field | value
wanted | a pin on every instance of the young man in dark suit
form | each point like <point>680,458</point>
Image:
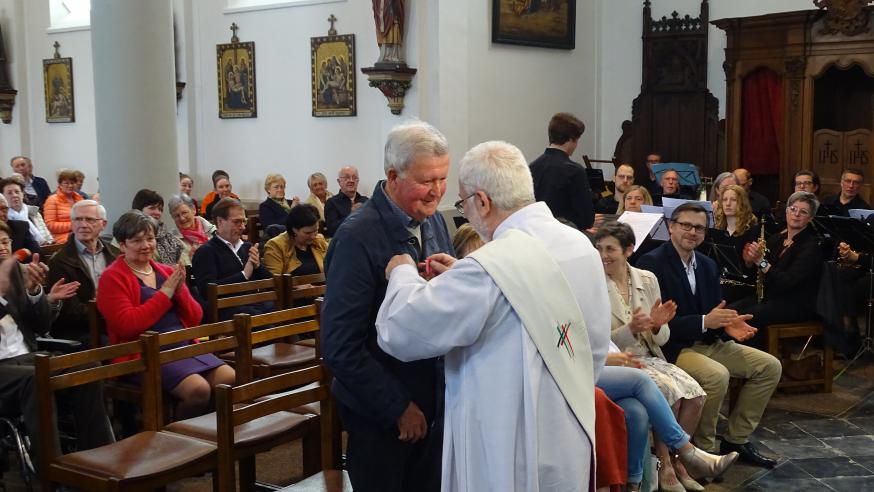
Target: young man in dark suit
<point>703,334</point>
<point>227,259</point>
<point>561,182</point>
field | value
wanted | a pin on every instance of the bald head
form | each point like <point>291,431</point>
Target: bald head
<point>743,178</point>
<point>347,178</point>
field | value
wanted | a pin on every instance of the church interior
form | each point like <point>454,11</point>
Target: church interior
<point>133,94</point>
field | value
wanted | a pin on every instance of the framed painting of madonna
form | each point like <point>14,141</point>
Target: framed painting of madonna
<point>236,80</point>
<point>543,23</point>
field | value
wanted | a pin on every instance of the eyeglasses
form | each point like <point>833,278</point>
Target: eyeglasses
<point>686,226</point>
<point>349,178</point>
<point>798,211</point>
<point>238,222</point>
<point>459,205</point>
<point>804,183</point>
<point>90,220</point>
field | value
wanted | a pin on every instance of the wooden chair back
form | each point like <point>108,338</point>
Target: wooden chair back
<point>55,373</point>
<point>613,160</point>
<point>96,324</point>
<point>304,287</point>
<point>217,337</point>
<point>49,250</point>
<point>253,227</point>
<point>243,293</point>
<point>234,407</point>
<point>285,323</point>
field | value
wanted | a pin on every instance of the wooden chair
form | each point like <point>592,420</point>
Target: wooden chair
<point>49,250</point>
<point>244,404</point>
<point>254,436</point>
<point>145,461</point>
<point>613,160</point>
<point>243,293</point>
<point>809,329</point>
<point>296,294</point>
<point>253,227</point>
<point>269,356</point>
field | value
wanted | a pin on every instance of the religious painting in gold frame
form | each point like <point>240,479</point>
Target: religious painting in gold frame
<point>333,75</point>
<point>58,86</point>
<point>236,80</point>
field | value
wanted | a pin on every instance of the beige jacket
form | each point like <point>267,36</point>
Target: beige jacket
<point>645,291</point>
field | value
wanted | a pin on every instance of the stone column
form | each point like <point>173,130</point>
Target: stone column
<point>135,100</point>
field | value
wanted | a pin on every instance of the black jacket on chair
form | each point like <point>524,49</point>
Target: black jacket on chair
<point>564,186</point>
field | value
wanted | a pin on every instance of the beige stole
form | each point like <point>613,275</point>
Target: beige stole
<point>535,286</point>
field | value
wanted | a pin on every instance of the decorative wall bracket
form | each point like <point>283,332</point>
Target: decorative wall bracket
<point>847,17</point>
<point>392,82</point>
<point>7,101</point>
<point>180,87</point>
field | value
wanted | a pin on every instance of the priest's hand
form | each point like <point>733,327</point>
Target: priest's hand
<point>440,262</point>
<point>396,261</point>
<point>412,426</point>
<point>739,329</point>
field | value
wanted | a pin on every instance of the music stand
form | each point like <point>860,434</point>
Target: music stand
<point>719,246</point>
<point>860,237</point>
<point>688,173</point>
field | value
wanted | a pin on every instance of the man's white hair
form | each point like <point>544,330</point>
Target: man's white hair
<point>500,170</point>
<point>412,139</point>
<point>101,210</point>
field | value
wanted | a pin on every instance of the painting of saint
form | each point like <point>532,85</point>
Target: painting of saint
<point>236,80</point>
<point>58,80</point>
<point>544,23</point>
<point>333,65</point>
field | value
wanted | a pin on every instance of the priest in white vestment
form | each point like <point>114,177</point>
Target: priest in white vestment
<point>524,325</point>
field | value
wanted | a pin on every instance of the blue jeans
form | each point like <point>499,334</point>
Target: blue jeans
<point>643,403</point>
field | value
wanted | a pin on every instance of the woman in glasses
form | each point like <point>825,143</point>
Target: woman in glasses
<point>790,269</point>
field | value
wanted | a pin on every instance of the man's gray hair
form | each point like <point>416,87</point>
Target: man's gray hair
<point>26,159</point>
<point>804,196</point>
<point>177,200</point>
<point>500,170</point>
<point>101,210</point>
<point>412,139</point>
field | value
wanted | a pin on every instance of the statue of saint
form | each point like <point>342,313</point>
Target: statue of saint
<point>389,18</point>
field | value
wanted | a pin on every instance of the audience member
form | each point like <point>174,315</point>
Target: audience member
<point>19,230</point>
<point>227,259</point>
<point>348,200</point>
<point>634,198</point>
<point>221,183</point>
<point>18,210</point>
<point>466,241</point>
<point>136,294</point>
<point>719,184</point>
<point>559,181</point>
<point>734,215</point>
<point>80,180</point>
<point>487,316</point>
<point>394,441</point>
<point>27,314</point>
<point>791,268</point>
<point>56,208</point>
<point>186,185</point>
<point>36,189</point>
<point>623,180</point>
<point>168,247</point>
<point>806,180</point>
<point>191,229</point>
<point>300,250</point>
<point>652,184</point>
<point>759,203</point>
<point>639,329</point>
<point>274,209</point>
<point>82,260</point>
<point>703,333</point>
<point>319,194</point>
<point>848,198</point>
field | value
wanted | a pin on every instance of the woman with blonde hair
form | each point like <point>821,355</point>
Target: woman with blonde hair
<point>734,214</point>
<point>274,210</point>
<point>633,199</point>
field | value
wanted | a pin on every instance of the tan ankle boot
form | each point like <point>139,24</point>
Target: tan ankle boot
<point>700,464</point>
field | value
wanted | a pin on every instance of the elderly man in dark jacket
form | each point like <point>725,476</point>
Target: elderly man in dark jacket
<point>392,410</point>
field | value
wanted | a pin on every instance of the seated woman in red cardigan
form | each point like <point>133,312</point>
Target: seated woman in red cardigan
<point>135,294</point>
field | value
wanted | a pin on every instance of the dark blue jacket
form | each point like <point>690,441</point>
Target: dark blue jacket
<point>564,186</point>
<point>337,208</point>
<point>42,190</point>
<point>368,381</point>
<point>270,213</point>
<point>215,263</point>
<point>667,266</point>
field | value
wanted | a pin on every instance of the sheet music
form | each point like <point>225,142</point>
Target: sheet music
<point>642,224</point>
<point>860,213</point>
<point>662,233</point>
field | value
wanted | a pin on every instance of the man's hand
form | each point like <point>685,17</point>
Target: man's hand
<point>62,290</point>
<point>640,321</point>
<point>356,206</point>
<point>662,313</point>
<point>719,317</point>
<point>624,359</point>
<point>412,426</point>
<point>35,274</point>
<point>739,329</point>
<point>6,274</point>
<point>396,261</point>
<point>254,256</point>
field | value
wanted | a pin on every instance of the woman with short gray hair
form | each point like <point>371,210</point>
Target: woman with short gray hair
<point>319,194</point>
<point>191,229</point>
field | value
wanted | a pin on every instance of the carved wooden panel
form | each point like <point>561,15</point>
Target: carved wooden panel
<point>827,154</point>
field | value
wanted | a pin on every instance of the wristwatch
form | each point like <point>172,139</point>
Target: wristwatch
<point>763,264</point>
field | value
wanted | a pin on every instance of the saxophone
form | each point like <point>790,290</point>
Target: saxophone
<point>760,275</point>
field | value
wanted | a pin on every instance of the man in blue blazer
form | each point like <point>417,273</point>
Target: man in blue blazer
<point>36,189</point>
<point>703,335</point>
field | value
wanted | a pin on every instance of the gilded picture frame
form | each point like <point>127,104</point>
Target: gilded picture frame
<point>543,23</point>
<point>332,61</point>
<point>237,97</point>
<point>58,87</point>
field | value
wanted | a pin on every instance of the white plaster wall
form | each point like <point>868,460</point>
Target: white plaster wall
<point>13,39</point>
<point>622,52</point>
